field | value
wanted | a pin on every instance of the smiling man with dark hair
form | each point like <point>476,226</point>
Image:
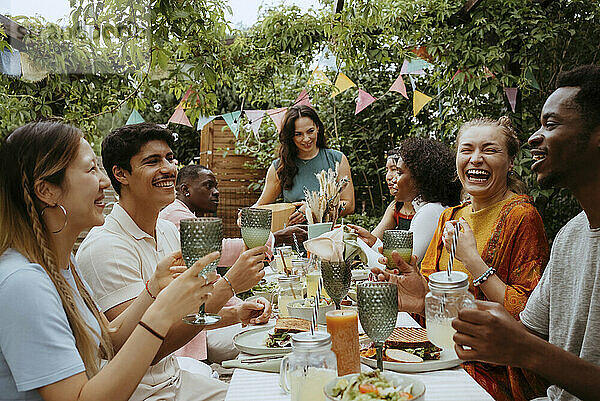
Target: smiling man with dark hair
<point>558,336</point>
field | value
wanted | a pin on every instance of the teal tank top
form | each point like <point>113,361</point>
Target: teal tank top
<point>324,160</point>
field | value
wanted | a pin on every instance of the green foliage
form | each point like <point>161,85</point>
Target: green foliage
<point>143,53</point>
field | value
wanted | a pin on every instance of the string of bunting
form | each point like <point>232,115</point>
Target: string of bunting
<point>328,61</point>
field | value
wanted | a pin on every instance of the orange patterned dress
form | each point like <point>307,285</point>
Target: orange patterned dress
<point>510,237</point>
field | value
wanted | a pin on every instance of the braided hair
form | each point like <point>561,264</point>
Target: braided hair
<point>43,151</point>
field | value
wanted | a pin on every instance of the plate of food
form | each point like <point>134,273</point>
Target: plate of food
<point>375,385</point>
<point>271,339</point>
<point>408,350</point>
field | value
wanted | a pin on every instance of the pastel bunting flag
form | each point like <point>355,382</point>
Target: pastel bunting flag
<point>342,82</point>
<point>419,101</point>
<point>134,118</point>
<point>303,99</point>
<point>277,117</point>
<point>511,94</point>
<point>233,121</point>
<point>179,117</point>
<point>531,78</point>
<point>398,86</point>
<point>363,100</point>
<point>412,83</point>
<point>318,77</point>
<point>414,67</point>
<point>255,118</point>
<point>203,120</point>
<point>328,60</point>
<point>185,102</point>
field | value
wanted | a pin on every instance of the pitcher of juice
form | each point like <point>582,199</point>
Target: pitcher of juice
<point>310,366</point>
<point>447,295</point>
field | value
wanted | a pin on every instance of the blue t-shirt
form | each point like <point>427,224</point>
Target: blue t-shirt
<point>37,346</point>
<point>324,160</point>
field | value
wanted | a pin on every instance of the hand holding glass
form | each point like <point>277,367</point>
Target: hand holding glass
<point>199,237</point>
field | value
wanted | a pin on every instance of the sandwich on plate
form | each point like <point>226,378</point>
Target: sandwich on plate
<point>284,328</point>
<point>405,344</point>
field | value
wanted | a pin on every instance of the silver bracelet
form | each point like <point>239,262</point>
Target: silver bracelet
<point>481,279</point>
<point>230,286</point>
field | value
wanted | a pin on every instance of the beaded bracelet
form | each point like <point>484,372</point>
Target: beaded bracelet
<point>230,286</point>
<point>481,279</point>
<point>148,290</point>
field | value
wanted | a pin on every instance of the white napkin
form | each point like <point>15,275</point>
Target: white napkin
<point>372,255</point>
<point>328,246</point>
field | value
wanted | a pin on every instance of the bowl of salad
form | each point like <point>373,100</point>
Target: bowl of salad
<point>303,308</point>
<point>375,385</point>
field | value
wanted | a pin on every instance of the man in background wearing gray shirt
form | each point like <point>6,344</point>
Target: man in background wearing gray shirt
<point>558,336</point>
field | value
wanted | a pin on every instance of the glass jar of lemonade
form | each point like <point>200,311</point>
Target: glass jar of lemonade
<point>290,289</point>
<point>313,274</point>
<point>288,255</point>
<point>447,295</point>
<point>310,366</point>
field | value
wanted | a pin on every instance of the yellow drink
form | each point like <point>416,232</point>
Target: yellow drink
<point>312,282</point>
<point>405,254</point>
<point>309,386</point>
<point>279,262</point>
<point>283,301</point>
<point>440,332</point>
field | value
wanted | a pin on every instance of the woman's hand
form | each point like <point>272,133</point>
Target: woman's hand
<point>298,216</point>
<point>412,286</point>
<point>257,312</point>
<point>166,271</point>
<point>466,246</point>
<point>363,234</point>
<point>248,269</point>
<point>186,293</point>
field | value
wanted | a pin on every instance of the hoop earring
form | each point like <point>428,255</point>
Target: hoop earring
<point>64,212</point>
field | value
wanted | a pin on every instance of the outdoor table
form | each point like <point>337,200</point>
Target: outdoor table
<point>444,385</point>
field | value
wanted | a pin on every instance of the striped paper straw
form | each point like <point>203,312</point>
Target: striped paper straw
<point>315,315</point>
<point>453,250</point>
<point>296,244</point>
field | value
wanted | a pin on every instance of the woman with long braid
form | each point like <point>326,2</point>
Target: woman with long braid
<point>52,336</point>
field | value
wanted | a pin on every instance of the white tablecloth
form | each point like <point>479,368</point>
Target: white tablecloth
<point>442,385</point>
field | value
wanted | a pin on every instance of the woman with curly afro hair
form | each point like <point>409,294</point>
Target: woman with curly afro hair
<point>425,176</point>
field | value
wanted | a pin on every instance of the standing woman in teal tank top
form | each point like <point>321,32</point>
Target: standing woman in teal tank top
<point>303,152</point>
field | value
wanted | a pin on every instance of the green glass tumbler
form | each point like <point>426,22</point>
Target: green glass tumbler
<point>256,226</point>
<point>400,241</point>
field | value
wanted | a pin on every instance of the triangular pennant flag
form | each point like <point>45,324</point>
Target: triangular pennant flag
<point>184,103</point>
<point>134,118</point>
<point>363,101</point>
<point>412,83</point>
<point>179,117</point>
<point>422,52</point>
<point>414,67</point>
<point>203,120</point>
<point>233,121</point>
<point>342,82</point>
<point>532,81</point>
<point>511,94</point>
<point>328,60</point>
<point>277,116</point>
<point>318,77</point>
<point>398,86</point>
<point>419,100</point>
<point>255,118</point>
<point>303,99</point>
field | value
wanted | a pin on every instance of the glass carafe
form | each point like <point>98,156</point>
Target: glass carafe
<point>447,295</point>
<point>310,366</point>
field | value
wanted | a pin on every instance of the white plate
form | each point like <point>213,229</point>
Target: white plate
<point>448,359</point>
<point>418,387</point>
<point>253,341</point>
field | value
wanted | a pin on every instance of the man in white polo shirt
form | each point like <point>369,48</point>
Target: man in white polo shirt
<point>118,257</point>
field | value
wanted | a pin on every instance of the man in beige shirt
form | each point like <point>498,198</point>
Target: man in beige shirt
<point>118,258</point>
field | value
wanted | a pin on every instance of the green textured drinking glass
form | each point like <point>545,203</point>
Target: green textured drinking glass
<point>400,241</point>
<point>336,279</point>
<point>200,237</point>
<point>256,226</point>
<point>377,311</point>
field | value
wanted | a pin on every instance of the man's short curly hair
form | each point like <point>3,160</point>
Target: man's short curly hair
<point>587,78</point>
<point>125,142</point>
<point>433,169</point>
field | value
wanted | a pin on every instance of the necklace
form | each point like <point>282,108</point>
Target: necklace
<point>306,161</point>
